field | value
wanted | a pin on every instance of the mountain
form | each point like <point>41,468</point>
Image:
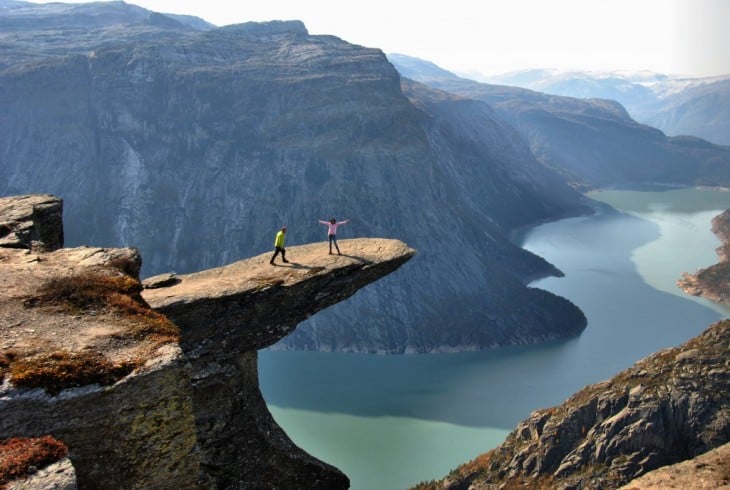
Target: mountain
<point>591,142</point>
<point>196,146</point>
<point>675,105</point>
<point>669,407</point>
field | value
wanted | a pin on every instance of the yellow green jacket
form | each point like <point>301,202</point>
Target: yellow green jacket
<point>279,242</point>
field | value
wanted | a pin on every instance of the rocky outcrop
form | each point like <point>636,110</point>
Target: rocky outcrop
<point>670,407</point>
<point>30,221</point>
<point>226,315</point>
<point>708,470</point>
<point>141,402</point>
<point>714,281</point>
<point>196,146</point>
<point>56,476</point>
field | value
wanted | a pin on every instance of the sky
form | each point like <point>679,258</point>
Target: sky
<point>678,37</point>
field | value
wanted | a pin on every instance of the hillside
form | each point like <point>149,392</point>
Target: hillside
<point>677,106</point>
<point>591,142</point>
<point>669,407</point>
<point>197,145</point>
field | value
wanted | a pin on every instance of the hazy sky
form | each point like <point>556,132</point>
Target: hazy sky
<point>690,37</point>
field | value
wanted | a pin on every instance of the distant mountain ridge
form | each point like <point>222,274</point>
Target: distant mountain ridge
<point>675,105</point>
<point>591,142</point>
<point>196,146</point>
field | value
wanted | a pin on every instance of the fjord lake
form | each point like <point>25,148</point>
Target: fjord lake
<point>389,422</point>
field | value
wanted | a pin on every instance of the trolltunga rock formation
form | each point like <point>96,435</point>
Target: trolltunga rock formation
<point>141,402</point>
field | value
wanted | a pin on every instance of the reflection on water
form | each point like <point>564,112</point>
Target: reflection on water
<point>431,412</point>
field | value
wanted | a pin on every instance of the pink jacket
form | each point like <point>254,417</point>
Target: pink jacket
<point>332,227</point>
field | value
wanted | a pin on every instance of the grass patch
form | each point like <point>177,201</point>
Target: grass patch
<point>88,294</point>
<point>61,370</point>
<point>18,455</point>
<point>126,264</point>
<point>95,292</point>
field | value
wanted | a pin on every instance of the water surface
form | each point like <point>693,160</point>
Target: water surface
<point>389,422</point>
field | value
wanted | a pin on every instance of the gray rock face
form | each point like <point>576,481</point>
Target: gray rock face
<point>225,315</point>
<point>28,221</point>
<point>708,470</point>
<point>188,413</point>
<point>57,476</point>
<point>197,146</point>
<point>670,407</point>
<point>138,432</point>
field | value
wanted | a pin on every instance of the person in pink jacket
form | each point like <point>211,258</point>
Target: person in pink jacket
<point>332,232</point>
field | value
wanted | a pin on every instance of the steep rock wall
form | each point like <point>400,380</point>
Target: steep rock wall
<point>196,146</point>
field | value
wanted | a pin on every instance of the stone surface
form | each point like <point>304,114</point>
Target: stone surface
<point>710,470</point>
<point>137,431</point>
<point>190,414</point>
<point>29,219</point>
<point>225,315</point>
<point>57,476</point>
<point>670,407</point>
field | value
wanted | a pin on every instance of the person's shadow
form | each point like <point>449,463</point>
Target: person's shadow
<point>297,265</point>
<point>355,257</point>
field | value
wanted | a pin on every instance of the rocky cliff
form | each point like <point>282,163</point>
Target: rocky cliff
<point>197,145</point>
<point>670,407</point>
<point>713,282</point>
<point>142,402</point>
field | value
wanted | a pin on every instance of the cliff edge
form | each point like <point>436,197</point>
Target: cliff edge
<point>158,387</point>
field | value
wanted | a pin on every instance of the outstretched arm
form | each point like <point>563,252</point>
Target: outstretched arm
<point>324,222</point>
<point>343,222</point>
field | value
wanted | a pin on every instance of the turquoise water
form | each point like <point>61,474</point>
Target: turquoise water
<point>389,422</point>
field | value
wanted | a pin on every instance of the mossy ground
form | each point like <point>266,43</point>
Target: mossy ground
<point>18,455</point>
<point>106,295</point>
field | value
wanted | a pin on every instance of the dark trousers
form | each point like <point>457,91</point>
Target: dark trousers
<point>333,239</point>
<point>276,252</point>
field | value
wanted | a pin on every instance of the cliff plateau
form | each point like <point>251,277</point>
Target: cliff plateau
<point>142,402</point>
<point>196,145</point>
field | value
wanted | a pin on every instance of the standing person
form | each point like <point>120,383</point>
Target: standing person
<point>332,232</point>
<point>279,246</point>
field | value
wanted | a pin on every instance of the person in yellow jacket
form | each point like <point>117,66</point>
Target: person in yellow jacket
<point>279,246</point>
